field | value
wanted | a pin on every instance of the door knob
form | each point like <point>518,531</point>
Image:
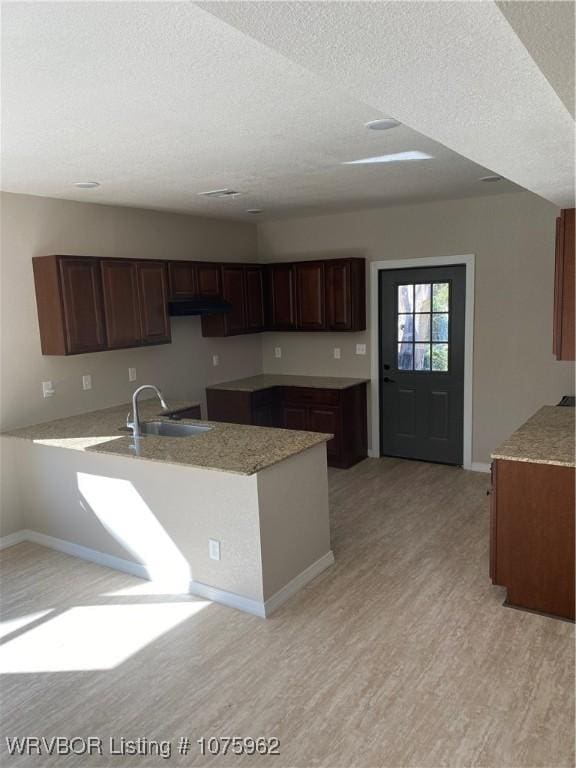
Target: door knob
<point>388,380</point>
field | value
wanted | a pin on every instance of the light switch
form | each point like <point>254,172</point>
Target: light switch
<point>360,349</point>
<point>86,381</point>
<point>47,389</point>
<point>215,360</point>
<point>277,351</point>
<point>131,374</point>
<point>214,549</point>
<point>336,353</point>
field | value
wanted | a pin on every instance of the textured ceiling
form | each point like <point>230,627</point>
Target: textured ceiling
<point>160,101</point>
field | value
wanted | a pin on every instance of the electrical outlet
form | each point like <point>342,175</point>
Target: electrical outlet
<point>47,389</point>
<point>215,360</point>
<point>214,549</point>
<point>337,353</point>
<point>87,381</point>
<point>277,351</point>
<point>131,374</point>
<point>360,349</point>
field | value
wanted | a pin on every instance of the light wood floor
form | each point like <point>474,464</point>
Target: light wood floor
<point>400,655</point>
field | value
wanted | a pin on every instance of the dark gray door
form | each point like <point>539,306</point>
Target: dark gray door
<point>422,363</point>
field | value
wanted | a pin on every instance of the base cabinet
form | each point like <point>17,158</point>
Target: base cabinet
<point>341,413</point>
<point>532,535</point>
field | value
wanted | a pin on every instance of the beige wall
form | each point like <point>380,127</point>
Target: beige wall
<point>512,236</point>
<point>36,226</point>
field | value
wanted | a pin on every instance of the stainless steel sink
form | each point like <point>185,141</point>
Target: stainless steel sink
<point>171,429</point>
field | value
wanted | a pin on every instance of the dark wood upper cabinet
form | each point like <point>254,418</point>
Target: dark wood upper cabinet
<point>233,291</point>
<point>345,295</point>
<point>209,279</point>
<point>153,294</point>
<point>310,296</point>
<point>564,304</point>
<point>121,303</point>
<point>69,302</point>
<point>254,293</point>
<point>182,279</point>
<point>282,297</point>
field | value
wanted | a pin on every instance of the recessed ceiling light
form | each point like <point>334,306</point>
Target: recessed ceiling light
<point>491,179</point>
<point>254,210</point>
<point>219,193</point>
<point>384,124</point>
<point>396,157</point>
<point>86,184</point>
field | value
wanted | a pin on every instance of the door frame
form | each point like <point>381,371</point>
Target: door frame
<point>468,260</point>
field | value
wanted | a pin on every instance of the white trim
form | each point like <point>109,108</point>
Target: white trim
<point>230,599</point>
<point>12,539</point>
<point>433,261</point>
<point>303,578</point>
<point>479,466</point>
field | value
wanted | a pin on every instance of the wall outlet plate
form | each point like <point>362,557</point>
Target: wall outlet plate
<point>86,381</point>
<point>214,549</point>
<point>47,389</point>
<point>215,360</point>
<point>131,374</point>
<point>360,349</point>
<point>337,353</point>
<point>277,351</point>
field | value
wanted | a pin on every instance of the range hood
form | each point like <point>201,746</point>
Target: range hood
<point>198,305</point>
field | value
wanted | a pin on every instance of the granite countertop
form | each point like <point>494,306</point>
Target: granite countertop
<point>234,448</point>
<point>546,438</point>
<point>268,380</point>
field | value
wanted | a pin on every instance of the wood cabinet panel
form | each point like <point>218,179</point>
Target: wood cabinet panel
<point>327,419</point>
<point>153,297</point>
<point>294,416</point>
<point>209,279</point>
<point>82,304</point>
<point>254,292</point>
<point>564,344</point>
<point>532,530</point>
<point>233,291</point>
<point>183,279</point>
<point>121,303</point>
<point>282,297</point>
<point>310,296</point>
<point>338,295</point>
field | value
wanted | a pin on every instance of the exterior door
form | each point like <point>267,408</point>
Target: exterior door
<point>422,363</point>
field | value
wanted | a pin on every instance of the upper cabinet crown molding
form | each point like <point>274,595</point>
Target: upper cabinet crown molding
<point>565,275</point>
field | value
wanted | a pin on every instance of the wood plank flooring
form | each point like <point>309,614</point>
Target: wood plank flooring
<point>401,655</point>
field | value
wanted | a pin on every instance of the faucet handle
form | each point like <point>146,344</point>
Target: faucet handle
<point>129,423</point>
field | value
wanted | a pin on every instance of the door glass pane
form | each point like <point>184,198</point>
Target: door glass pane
<point>422,327</point>
<point>405,357</point>
<point>439,357</point>
<point>440,327</point>
<point>421,357</point>
<point>405,327</point>
<point>441,297</point>
<point>422,298</point>
<point>406,298</point>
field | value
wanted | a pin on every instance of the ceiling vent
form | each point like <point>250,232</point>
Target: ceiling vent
<point>219,193</point>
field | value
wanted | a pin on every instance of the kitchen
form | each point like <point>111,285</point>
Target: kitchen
<point>331,561</point>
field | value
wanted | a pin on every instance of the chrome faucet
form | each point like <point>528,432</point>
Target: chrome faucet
<point>134,425</point>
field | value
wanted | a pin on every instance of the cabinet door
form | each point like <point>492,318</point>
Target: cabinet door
<point>263,416</point>
<point>208,277</point>
<point>182,279</point>
<point>294,417</point>
<point>282,297</point>
<point>327,419</point>
<point>155,323</point>
<point>565,274</point>
<point>338,296</point>
<point>233,291</point>
<point>254,277</point>
<point>82,304</point>
<point>121,303</point>
<point>310,296</point>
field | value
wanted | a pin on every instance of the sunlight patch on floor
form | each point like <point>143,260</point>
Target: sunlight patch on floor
<point>12,625</point>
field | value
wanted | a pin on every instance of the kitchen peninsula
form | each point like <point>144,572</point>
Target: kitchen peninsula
<point>237,514</point>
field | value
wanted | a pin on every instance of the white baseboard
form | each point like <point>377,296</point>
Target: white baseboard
<point>255,607</point>
<point>479,466</point>
<point>12,539</point>
<point>280,597</point>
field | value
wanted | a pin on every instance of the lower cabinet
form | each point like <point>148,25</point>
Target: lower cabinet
<point>340,412</point>
<point>532,535</point>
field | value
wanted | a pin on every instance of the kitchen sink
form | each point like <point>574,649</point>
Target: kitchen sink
<point>171,429</point>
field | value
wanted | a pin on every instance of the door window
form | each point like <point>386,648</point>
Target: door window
<point>423,324</point>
